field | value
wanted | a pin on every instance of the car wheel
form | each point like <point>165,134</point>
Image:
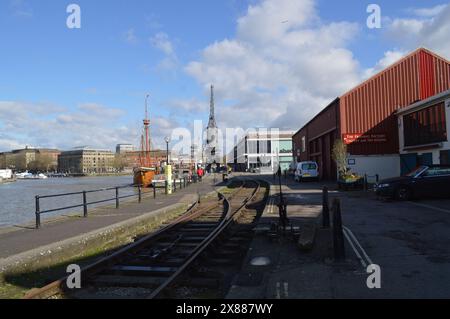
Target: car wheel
<point>403,193</point>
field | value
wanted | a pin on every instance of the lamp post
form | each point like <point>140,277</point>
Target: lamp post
<point>167,139</point>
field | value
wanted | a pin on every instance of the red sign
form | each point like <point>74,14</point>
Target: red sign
<point>351,138</point>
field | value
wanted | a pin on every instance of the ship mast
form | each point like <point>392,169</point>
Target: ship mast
<point>147,133</point>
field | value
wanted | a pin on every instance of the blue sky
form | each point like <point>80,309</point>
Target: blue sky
<point>63,88</point>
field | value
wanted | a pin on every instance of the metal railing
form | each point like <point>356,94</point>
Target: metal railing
<point>182,183</point>
<point>375,179</point>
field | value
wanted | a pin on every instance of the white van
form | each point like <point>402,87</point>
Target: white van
<point>306,170</point>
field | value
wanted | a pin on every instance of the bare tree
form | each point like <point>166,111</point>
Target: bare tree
<point>42,163</point>
<point>120,162</point>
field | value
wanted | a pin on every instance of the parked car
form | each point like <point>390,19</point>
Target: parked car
<point>424,181</point>
<point>307,171</point>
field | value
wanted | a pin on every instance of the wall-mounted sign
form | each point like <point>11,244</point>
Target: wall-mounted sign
<point>351,138</point>
<point>351,162</point>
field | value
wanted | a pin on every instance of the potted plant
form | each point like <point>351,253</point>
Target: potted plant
<point>346,178</point>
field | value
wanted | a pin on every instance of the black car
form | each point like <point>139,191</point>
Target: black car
<point>424,181</point>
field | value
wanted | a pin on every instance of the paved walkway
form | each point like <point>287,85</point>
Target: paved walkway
<point>16,240</point>
<point>409,241</point>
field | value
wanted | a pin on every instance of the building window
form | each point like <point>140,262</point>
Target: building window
<point>303,144</point>
<point>425,126</point>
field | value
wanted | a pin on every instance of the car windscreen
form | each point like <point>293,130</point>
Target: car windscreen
<point>416,171</point>
<point>308,167</point>
<point>437,171</point>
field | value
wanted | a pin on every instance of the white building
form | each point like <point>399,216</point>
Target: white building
<point>124,148</point>
<point>423,132</point>
<point>263,151</point>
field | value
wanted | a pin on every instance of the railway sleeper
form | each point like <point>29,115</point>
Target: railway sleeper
<point>200,225</point>
<point>127,281</point>
<point>197,230</point>
<point>167,262</point>
<point>142,270</point>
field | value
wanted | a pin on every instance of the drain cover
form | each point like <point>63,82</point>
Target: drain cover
<point>260,261</point>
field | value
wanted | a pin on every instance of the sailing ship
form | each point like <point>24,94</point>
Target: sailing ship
<point>148,168</point>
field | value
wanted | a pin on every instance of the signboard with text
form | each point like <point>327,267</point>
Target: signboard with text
<point>351,138</point>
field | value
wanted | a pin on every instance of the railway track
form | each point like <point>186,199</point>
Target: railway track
<point>178,255</point>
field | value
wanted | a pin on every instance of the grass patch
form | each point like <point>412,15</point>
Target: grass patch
<point>16,285</point>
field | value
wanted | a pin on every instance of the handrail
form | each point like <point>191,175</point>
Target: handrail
<point>85,204</point>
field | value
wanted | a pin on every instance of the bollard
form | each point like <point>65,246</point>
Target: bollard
<point>38,214</point>
<point>338,234</point>
<point>174,182</point>
<point>181,183</point>
<point>117,197</point>
<point>140,194</point>
<point>378,178</point>
<point>154,191</point>
<point>199,197</point>
<point>85,208</point>
<point>365,182</point>
<point>325,209</point>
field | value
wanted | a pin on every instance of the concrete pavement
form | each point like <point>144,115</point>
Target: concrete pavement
<point>16,240</point>
<point>408,240</point>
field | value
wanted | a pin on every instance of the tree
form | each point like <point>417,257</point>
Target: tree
<point>340,157</point>
<point>42,163</point>
<point>120,162</point>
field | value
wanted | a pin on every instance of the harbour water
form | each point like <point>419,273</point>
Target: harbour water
<point>17,200</point>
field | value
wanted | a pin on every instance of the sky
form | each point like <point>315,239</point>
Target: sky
<point>274,63</point>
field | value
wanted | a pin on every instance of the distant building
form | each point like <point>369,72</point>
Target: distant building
<point>124,148</point>
<point>263,151</point>
<point>86,161</point>
<point>30,159</point>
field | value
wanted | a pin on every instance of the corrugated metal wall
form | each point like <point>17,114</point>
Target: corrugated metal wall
<point>320,134</point>
<point>370,107</point>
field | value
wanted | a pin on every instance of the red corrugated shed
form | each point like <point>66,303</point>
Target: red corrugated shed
<point>368,110</point>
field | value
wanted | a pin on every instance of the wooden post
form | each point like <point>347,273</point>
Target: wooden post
<point>338,234</point>
<point>325,209</point>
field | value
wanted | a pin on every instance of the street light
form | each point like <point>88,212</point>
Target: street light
<point>167,139</point>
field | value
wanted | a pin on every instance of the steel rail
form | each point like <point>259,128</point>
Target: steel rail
<point>59,286</point>
<point>207,241</point>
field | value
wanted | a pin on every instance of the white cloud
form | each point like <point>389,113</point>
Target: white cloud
<point>162,42</point>
<point>283,66</point>
<point>188,106</point>
<point>130,36</point>
<point>428,12</point>
<point>390,57</point>
<point>47,125</point>
<point>429,28</point>
<point>21,8</point>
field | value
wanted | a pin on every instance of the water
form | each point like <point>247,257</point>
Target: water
<point>17,200</point>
